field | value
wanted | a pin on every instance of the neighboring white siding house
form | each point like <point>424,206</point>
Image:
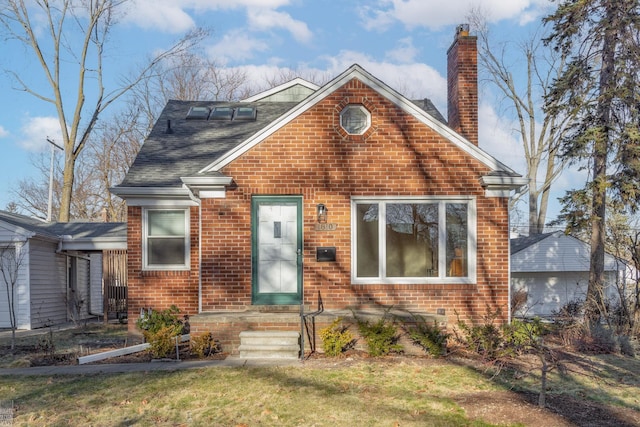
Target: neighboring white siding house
<point>57,269</point>
<point>553,269</point>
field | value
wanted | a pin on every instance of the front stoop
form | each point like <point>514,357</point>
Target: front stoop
<point>269,345</point>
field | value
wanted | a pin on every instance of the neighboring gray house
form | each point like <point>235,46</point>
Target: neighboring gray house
<point>60,268</point>
<point>553,268</point>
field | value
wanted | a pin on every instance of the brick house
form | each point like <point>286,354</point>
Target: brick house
<point>243,213</point>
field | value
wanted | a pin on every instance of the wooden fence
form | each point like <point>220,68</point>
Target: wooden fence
<point>114,274</point>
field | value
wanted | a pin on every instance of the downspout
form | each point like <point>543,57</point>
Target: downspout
<point>198,201</point>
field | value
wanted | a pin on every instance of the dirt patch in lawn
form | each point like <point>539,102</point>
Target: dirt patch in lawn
<point>519,406</point>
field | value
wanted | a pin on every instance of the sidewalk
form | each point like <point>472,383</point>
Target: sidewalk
<point>117,368</point>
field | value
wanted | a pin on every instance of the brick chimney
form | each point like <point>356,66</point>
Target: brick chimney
<point>462,84</point>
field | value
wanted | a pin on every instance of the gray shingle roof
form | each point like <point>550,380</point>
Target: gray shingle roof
<point>428,106</point>
<point>520,243</point>
<point>55,230</point>
<point>193,144</point>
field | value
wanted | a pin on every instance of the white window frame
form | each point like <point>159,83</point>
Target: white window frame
<point>360,108</point>
<point>145,241</point>
<point>442,268</point>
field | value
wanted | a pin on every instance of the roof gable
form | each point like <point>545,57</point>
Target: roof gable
<point>357,72</point>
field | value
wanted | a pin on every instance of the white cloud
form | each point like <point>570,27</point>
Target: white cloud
<point>172,16</point>
<point>166,16</point>
<point>236,45</point>
<point>405,52</point>
<point>3,132</point>
<point>414,81</point>
<point>35,132</point>
<point>266,19</point>
<point>436,15</point>
<point>497,137</point>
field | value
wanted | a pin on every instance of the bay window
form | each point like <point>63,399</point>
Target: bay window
<point>413,240</point>
<point>166,239</point>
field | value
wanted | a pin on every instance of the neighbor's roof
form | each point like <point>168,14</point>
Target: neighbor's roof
<point>555,252</point>
<point>73,235</point>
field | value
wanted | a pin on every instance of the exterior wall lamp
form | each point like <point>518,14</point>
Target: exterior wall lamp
<point>322,213</point>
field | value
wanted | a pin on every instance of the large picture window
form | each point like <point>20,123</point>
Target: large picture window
<point>413,240</point>
<point>166,243</point>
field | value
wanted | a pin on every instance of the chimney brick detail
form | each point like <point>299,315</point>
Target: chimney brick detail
<point>462,85</point>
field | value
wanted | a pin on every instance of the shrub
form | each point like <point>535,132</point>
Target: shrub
<point>336,338</point>
<point>203,345</point>
<point>381,336</point>
<point>521,336</point>
<point>428,336</point>
<point>519,300</point>
<point>162,342</point>
<point>160,329</point>
<point>484,339</point>
<point>597,339</point>
<point>154,320</point>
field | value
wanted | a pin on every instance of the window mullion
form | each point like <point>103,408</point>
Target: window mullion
<point>442,240</point>
<point>382,241</point>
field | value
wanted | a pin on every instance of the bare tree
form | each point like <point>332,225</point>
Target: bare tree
<point>11,260</point>
<point>539,131</point>
<point>72,41</point>
<point>284,75</point>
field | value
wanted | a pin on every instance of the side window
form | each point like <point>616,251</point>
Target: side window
<point>166,239</point>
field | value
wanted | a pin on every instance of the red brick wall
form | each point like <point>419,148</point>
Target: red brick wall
<point>159,289</point>
<point>462,86</point>
<point>313,158</point>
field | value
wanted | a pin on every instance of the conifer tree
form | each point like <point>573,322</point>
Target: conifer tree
<point>598,89</point>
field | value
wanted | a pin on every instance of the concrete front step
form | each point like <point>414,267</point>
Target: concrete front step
<point>269,344</point>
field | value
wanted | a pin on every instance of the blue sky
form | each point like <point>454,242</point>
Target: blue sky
<point>402,42</point>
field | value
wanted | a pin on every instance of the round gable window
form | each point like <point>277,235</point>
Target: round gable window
<point>355,119</point>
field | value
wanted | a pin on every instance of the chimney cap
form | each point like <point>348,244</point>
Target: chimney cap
<point>462,30</point>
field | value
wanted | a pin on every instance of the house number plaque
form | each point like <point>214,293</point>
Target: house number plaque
<point>326,227</point>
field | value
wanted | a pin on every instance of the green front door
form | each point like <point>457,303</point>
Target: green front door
<point>276,260</point>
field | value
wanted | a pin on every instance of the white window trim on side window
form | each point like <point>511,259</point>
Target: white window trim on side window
<point>442,278</point>
<point>145,238</point>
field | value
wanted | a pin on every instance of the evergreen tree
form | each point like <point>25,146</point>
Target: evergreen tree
<point>598,90</point>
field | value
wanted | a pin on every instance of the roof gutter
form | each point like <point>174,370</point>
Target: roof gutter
<point>502,185</point>
<point>207,187</point>
<point>155,196</point>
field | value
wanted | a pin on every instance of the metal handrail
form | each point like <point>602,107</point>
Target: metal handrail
<point>311,335</point>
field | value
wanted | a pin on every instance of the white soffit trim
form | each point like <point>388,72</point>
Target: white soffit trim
<point>501,186</point>
<point>208,187</point>
<point>356,71</point>
<point>155,196</point>
<point>96,244</point>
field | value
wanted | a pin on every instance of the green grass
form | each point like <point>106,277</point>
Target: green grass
<point>325,392</point>
<point>365,394</point>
